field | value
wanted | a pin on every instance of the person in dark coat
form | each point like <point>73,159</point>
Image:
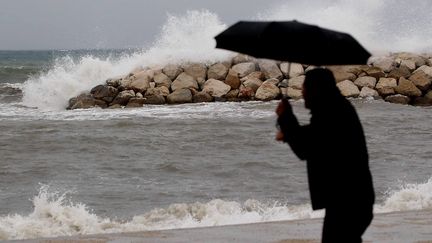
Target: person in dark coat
<point>334,147</point>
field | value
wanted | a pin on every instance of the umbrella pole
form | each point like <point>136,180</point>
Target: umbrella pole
<point>285,90</point>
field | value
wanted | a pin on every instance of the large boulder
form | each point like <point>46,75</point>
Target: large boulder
<point>375,72</point>
<point>422,101</point>
<point>202,96</point>
<point>273,81</point>
<point>172,71</point>
<point>256,74</point>
<point>291,70</point>
<point>425,100</point>
<point>368,92</point>
<point>232,95</point>
<point>104,92</point>
<point>232,79</point>
<point>135,102</point>
<point>408,64</point>
<point>246,93</point>
<point>386,64</point>
<point>386,86</point>
<point>421,80</point>
<point>270,69</point>
<point>123,97</point>
<point>294,93</point>
<point>85,101</point>
<point>240,58</point>
<point>296,82</point>
<point>253,83</point>
<point>196,70</point>
<point>245,68</point>
<point>183,81</point>
<point>399,72</point>
<point>418,60</point>
<point>162,79</point>
<point>348,88</point>
<point>217,71</point>
<point>426,69</point>
<point>140,82</point>
<point>180,96</point>
<point>407,88</point>
<point>267,91</point>
<point>114,82</point>
<point>398,99</point>
<point>216,88</point>
<point>154,99</point>
<point>342,73</point>
<point>161,90</point>
<point>125,82</point>
<point>366,81</point>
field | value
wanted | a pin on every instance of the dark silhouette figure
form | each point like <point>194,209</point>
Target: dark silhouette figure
<point>334,146</point>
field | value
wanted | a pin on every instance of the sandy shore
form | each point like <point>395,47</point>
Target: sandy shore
<point>404,227</point>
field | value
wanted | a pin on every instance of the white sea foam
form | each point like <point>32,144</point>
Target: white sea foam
<point>54,214</point>
<point>408,197</point>
<point>226,110</point>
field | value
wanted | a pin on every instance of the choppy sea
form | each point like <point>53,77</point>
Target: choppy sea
<point>171,166</point>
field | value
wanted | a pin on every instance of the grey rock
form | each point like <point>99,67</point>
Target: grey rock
<point>348,88</point>
<point>232,79</point>
<point>398,99</point>
<point>104,92</point>
<point>217,71</point>
<point>123,97</point>
<point>172,71</point>
<point>270,69</point>
<point>162,79</point>
<point>180,96</point>
<point>183,81</point>
<point>243,69</point>
<point>196,70</point>
<point>267,91</point>
<point>407,88</point>
<point>154,99</point>
<point>202,96</point>
<point>365,81</point>
<point>216,88</point>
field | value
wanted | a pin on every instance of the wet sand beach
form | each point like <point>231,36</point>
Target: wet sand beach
<point>403,227</point>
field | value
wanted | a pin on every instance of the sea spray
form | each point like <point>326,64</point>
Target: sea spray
<point>407,28</point>
<point>54,214</point>
<point>186,38</point>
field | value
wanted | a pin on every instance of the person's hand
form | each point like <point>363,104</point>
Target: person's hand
<point>279,136</point>
<point>283,106</point>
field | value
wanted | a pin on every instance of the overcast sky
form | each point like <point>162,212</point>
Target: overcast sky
<point>75,24</point>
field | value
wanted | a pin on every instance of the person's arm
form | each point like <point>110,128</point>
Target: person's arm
<point>290,130</point>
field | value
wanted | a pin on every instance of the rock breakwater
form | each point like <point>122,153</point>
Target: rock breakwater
<point>403,78</point>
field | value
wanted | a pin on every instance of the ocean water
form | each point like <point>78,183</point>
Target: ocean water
<point>170,166</point>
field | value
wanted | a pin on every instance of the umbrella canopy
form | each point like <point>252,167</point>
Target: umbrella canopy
<point>292,41</point>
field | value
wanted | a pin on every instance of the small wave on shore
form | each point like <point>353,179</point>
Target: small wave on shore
<point>55,214</point>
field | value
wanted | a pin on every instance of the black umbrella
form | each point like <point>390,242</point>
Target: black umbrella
<point>292,41</point>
